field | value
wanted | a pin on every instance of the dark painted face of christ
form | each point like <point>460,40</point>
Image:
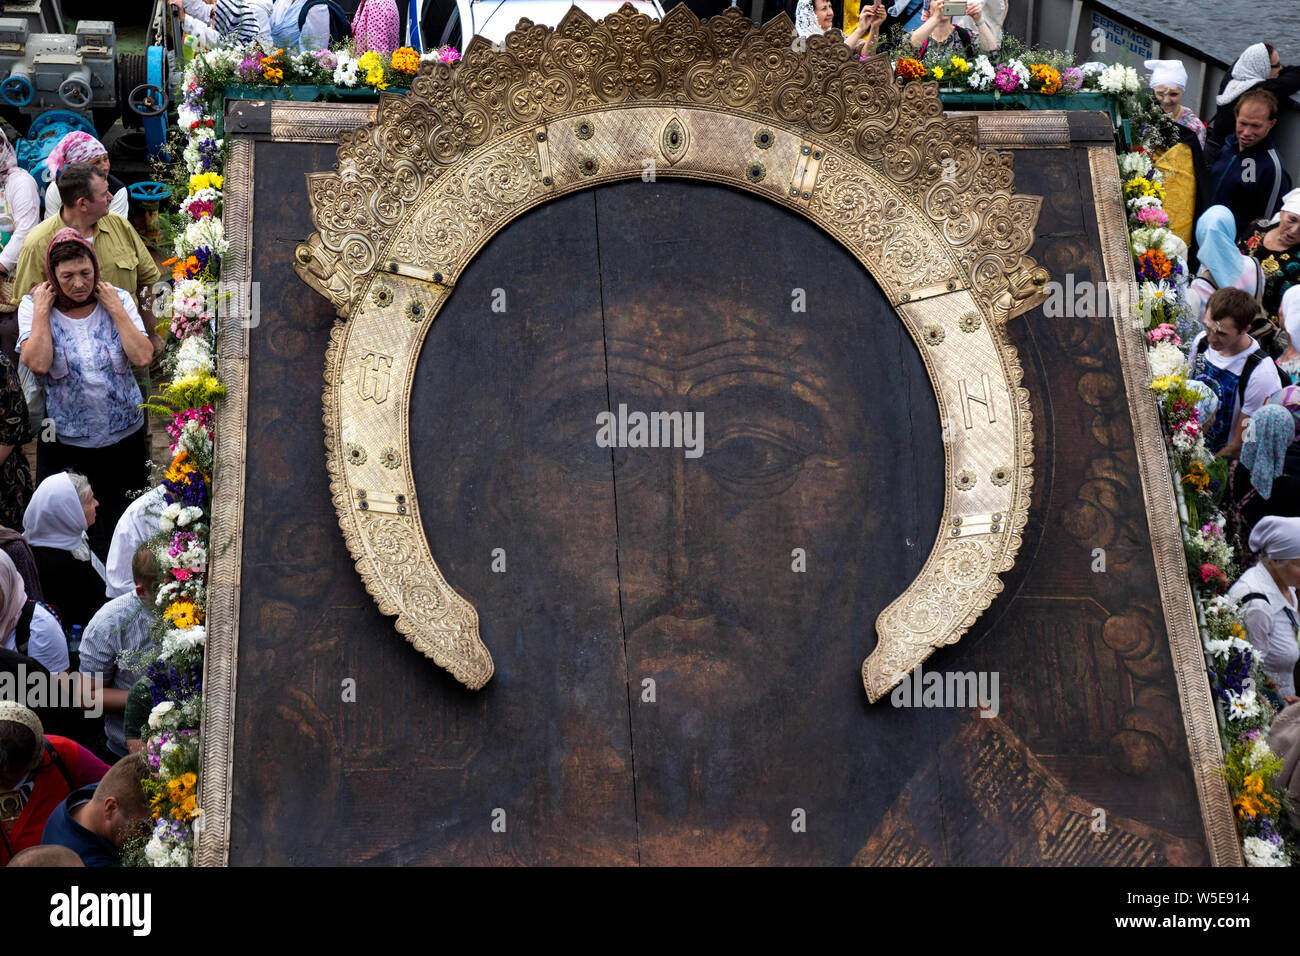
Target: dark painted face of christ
<point>742,567</point>
<point>728,543</point>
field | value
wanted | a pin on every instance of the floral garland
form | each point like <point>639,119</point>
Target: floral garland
<point>1187,406</point>
<point>343,67</point>
<point>1160,266</point>
<point>1020,69</point>
<point>173,666</point>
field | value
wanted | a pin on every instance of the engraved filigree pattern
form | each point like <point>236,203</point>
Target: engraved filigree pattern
<point>582,66</point>
<point>909,192</point>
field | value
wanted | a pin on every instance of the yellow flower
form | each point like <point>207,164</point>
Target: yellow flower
<point>180,469</point>
<point>960,65</point>
<point>203,181</point>
<point>1197,477</point>
<point>1237,630</point>
<point>406,60</point>
<point>937,73</point>
<point>189,780</point>
<point>1165,383</point>
<point>1048,77</point>
<point>1252,800</point>
<point>369,61</point>
<point>183,614</point>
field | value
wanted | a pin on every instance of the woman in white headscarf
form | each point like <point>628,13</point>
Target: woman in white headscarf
<point>27,626</point>
<point>1258,66</point>
<point>1267,597</point>
<point>1168,81</point>
<point>56,520</point>
<point>813,17</point>
<point>1181,164</point>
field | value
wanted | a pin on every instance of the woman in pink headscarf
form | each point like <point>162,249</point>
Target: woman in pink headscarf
<point>79,147</point>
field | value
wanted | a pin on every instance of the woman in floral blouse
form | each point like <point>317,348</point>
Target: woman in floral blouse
<point>84,336</point>
<point>1276,245</point>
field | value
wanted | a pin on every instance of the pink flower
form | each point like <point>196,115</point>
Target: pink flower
<point>204,416</point>
<point>182,574</point>
<point>1007,80</point>
<point>1152,216</point>
<point>1164,332</point>
<point>1210,574</point>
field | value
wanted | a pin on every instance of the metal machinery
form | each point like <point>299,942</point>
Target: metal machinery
<point>72,71</point>
<point>43,68</point>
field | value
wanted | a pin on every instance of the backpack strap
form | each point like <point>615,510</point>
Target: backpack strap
<point>1252,596</point>
<point>58,762</point>
<point>1252,362</point>
<point>23,629</point>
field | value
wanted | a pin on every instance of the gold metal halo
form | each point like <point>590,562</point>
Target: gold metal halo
<point>947,245</point>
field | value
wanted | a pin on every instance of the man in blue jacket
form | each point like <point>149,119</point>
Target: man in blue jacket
<point>1249,176</point>
<point>95,821</point>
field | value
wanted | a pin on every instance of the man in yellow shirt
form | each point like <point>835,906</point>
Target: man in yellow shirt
<point>123,259</point>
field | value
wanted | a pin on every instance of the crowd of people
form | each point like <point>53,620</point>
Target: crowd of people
<point>77,578</point>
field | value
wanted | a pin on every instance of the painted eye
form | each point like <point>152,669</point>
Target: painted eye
<point>754,462</point>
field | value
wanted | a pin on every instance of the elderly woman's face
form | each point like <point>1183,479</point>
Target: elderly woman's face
<point>1287,572</point>
<point>825,13</point>
<point>1288,228</point>
<point>90,509</point>
<point>76,277</point>
<point>1170,98</point>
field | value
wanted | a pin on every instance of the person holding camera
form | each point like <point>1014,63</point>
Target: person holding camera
<point>939,36</point>
<point>993,13</point>
<point>866,35</point>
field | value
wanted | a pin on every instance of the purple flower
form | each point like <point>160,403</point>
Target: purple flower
<point>167,683</point>
<point>190,490</point>
<point>209,154</point>
<point>326,59</point>
<point>1071,79</point>
<point>1233,676</point>
<point>250,70</point>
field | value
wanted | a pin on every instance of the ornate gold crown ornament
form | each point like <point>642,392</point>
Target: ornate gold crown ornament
<point>909,191</point>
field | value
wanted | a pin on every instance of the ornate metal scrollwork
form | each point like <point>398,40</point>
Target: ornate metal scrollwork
<point>927,211</point>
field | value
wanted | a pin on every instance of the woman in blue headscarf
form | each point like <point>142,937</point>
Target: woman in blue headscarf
<point>1266,479</point>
